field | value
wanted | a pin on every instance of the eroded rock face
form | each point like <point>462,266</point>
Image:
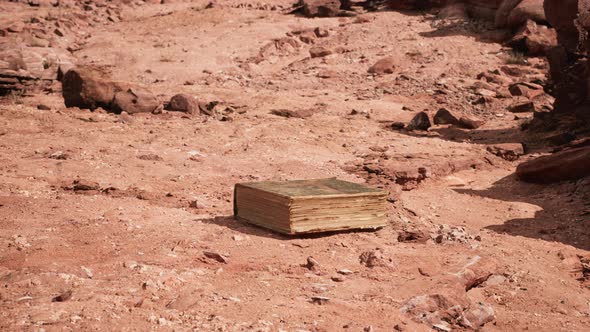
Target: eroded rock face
<point>568,62</point>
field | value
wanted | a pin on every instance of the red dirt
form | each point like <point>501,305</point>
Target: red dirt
<point>132,251</point>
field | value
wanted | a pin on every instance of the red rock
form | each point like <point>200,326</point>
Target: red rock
<point>375,258</point>
<point>565,165</point>
<point>300,114</point>
<point>89,87</point>
<point>85,87</point>
<point>477,316</point>
<point>84,185</point>
<point>522,107</point>
<point>526,89</point>
<point>507,151</point>
<point>319,51</point>
<point>421,121</point>
<point>534,39</point>
<point>135,100</point>
<point>470,122</point>
<point>183,103</point>
<point>321,33</point>
<point>444,116</point>
<point>527,10</point>
<point>383,66</point>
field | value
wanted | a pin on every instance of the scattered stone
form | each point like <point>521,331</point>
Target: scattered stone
<point>20,242</point>
<point>421,121</point>
<point>477,316</point>
<point>527,90</point>
<point>338,278</point>
<point>522,107</point>
<point>444,116</point>
<point>565,165</point>
<point>63,297</point>
<point>85,185</point>
<point>135,100</point>
<point>183,103</point>
<point>383,66</point>
<point>196,204</point>
<point>321,33</point>
<point>319,52</point>
<point>87,272</point>
<point>312,264</point>
<point>470,122</point>
<point>445,233</point>
<point>319,299</point>
<point>43,107</point>
<point>299,114</point>
<point>413,236</point>
<point>374,258</point>
<point>533,39</point>
<point>130,264</point>
<point>476,272</point>
<point>507,151</point>
<point>216,256</point>
<point>150,157</point>
<point>345,272</point>
<point>486,93</point>
<point>59,155</point>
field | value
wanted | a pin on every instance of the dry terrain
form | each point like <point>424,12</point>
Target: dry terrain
<point>105,218</point>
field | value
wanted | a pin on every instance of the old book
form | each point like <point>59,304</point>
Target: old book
<point>309,206</point>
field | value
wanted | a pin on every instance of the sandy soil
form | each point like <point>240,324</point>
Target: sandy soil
<point>131,251</point>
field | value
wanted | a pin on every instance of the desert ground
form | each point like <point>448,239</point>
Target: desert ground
<point>105,218</point>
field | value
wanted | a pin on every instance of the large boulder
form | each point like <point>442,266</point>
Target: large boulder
<point>86,87</point>
<point>506,7</point>
<point>565,165</point>
<point>527,10</point>
<point>90,88</point>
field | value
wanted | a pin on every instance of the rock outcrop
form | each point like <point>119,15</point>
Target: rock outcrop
<point>568,62</point>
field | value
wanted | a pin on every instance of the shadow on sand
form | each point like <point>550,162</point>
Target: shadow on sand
<point>253,230</point>
<point>565,214</point>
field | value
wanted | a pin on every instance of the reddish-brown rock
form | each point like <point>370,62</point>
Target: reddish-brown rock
<point>565,165</point>
<point>183,103</point>
<point>383,66</point>
<point>86,87</point>
<point>319,52</point>
<point>527,10</point>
